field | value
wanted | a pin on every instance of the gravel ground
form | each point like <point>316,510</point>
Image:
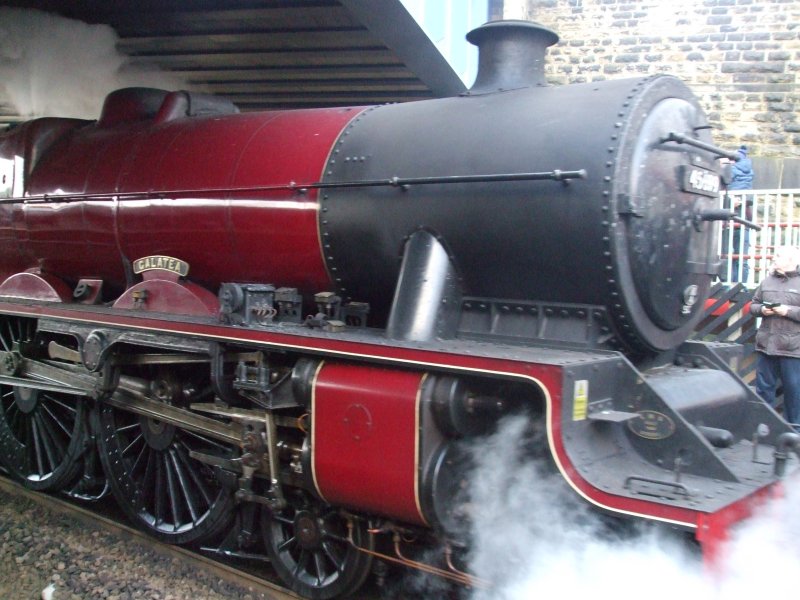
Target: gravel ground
<point>39,547</point>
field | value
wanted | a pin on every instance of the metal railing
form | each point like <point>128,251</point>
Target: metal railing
<point>746,253</point>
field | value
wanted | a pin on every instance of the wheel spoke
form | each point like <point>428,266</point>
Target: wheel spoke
<point>53,417</point>
<point>284,547</point>
<point>282,518</point>
<point>336,537</point>
<point>136,463</point>
<point>127,428</point>
<point>3,341</point>
<point>207,441</point>
<point>130,446</point>
<point>183,481</point>
<point>148,480</point>
<point>26,439</point>
<point>194,474</point>
<point>300,565</point>
<point>319,564</point>
<point>16,423</point>
<point>160,491</point>
<point>67,407</point>
<point>53,447</point>
<point>37,448</point>
<point>330,552</point>
<point>172,488</point>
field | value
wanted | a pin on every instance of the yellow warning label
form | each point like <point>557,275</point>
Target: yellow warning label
<point>580,400</point>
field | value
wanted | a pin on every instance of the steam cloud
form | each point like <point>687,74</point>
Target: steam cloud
<point>54,66</point>
<point>534,539</point>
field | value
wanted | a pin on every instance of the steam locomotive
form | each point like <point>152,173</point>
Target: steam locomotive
<point>278,328</point>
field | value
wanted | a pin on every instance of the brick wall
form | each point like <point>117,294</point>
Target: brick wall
<point>741,57</point>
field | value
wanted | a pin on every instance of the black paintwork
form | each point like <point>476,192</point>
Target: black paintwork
<point>623,239</point>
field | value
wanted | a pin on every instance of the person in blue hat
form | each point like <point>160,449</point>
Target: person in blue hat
<point>741,171</point>
<point>741,179</point>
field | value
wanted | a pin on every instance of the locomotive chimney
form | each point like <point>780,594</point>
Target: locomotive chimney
<point>511,55</point>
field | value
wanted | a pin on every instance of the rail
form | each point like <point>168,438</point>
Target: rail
<point>91,516</point>
<point>746,254</point>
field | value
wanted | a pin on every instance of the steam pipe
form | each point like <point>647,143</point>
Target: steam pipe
<point>690,141</point>
<point>401,182</point>
<point>722,214</point>
<point>456,576</point>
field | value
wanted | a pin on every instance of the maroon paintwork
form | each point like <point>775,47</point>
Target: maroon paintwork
<point>195,164</point>
<point>365,438</point>
<point>34,285</point>
<point>162,291</point>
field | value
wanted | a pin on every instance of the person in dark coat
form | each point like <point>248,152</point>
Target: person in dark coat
<point>777,302</point>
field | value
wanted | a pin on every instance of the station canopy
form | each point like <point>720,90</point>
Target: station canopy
<point>273,53</point>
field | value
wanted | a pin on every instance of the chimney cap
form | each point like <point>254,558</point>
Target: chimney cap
<point>511,55</point>
<point>477,35</point>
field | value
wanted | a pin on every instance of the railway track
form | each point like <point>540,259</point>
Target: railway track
<point>248,583</point>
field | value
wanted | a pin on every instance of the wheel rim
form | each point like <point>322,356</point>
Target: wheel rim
<point>157,483</point>
<point>43,434</point>
<point>308,545</point>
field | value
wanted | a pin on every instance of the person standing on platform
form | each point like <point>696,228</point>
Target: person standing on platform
<point>741,171</point>
<point>777,302</point>
<point>741,179</point>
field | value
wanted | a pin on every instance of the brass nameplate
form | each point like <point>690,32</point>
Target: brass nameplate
<point>164,263</point>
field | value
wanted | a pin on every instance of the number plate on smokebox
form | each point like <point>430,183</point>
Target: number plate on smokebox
<point>699,181</point>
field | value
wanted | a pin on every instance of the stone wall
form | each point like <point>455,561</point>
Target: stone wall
<point>741,57</point>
